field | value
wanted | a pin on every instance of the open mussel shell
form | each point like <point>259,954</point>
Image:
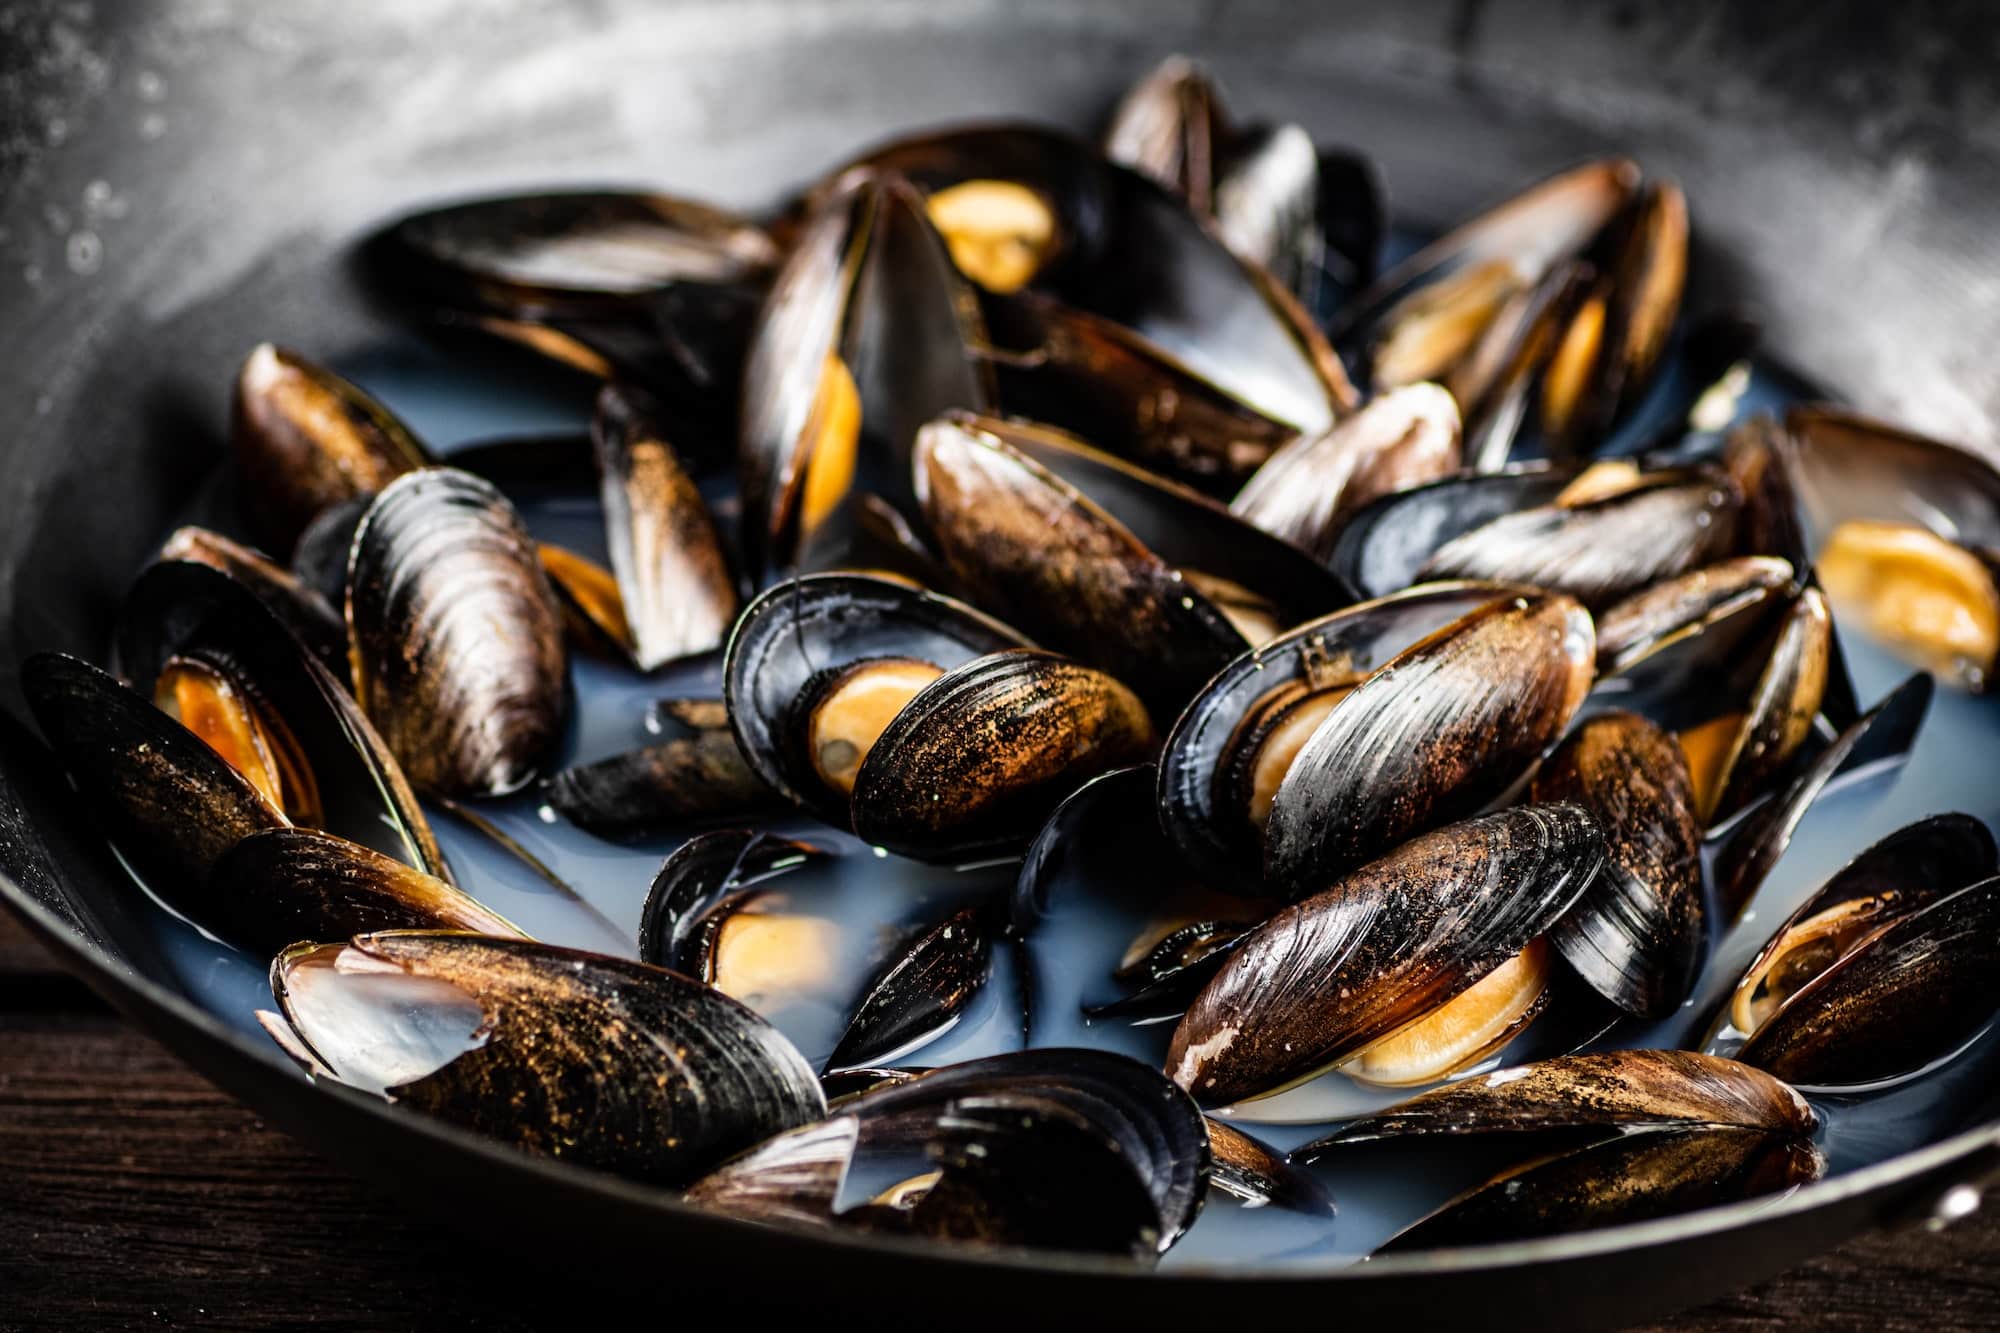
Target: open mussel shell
<point>320,559</point>
<point>1596,1091</point>
<point>1496,379</point>
<point>1848,466</point>
<point>507,1037</point>
<point>171,804</point>
<point>1382,546</point>
<point>1251,1171</point>
<point>1048,725</point>
<point>1632,1177</point>
<point>1213,748</point>
<point>304,439</point>
<point>1601,548</point>
<point>1150,582</point>
<point>574,252</point>
<point>1420,318</point>
<point>922,992</point>
<point>1305,492</point>
<point>797,630</point>
<point>701,775</point>
<point>867,333</point>
<point>294,600</point>
<point>1445,726</point>
<point>284,885</point>
<point>1171,126</point>
<point>1665,612</point>
<point>702,876</point>
<point>1381,949</point>
<point>1637,935</point>
<point>1109,240</point>
<point>179,611</point>
<point>457,637</point>
<point>674,586</point>
<point>1138,1117</point>
<point>1879,738</point>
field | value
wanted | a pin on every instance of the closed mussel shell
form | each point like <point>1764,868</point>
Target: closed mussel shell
<point>458,653</point>
<point>1380,949</point>
<point>1046,726</point>
<point>1637,934</point>
<point>696,1079</point>
<point>700,775</point>
<point>922,992</point>
<point>1441,729</point>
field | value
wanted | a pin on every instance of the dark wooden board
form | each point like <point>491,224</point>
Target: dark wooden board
<point>135,1195</point>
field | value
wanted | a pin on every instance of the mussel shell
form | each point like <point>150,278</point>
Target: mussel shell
<point>171,804</point>
<point>1881,736</point>
<point>1655,616</point>
<point>1121,799</point>
<point>697,1078</point>
<point>284,885</point>
<point>1637,935</point>
<point>1600,550</point>
<point>1783,703</point>
<point>1171,126</point>
<point>320,558</point>
<point>922,992</point>
<point>1848,466</point>
<point>795,630</point>
<point>575,252</point>
<point>704,871</point>
<point>1388,944</point>
<point>178,608</point>
<point>1630,1178</point>
<point>1248,1169</point>
<point>1348,643</point>
<point>1915,991</point>
<point>305,438</point>
<point>1441,729</point>
<point>1496,379</point>
<point>457,637</point>
<point>1305,492</point>
<point>1046,726</point>
<point>702,776</point>
<point>1384,543</point>
<point>1600,1090</point>
<point>678,595</point>
<point>296,602</point>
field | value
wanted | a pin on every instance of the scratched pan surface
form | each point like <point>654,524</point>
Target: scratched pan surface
<point>179,181</point>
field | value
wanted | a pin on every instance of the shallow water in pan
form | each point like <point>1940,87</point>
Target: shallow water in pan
<point>871,897</point>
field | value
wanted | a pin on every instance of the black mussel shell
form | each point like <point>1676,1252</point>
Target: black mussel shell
<point>1121,799</point>
<point>283,885</point>
<point>1631,1178</point>
<point>1600,1090</point>
<point>1332,651</point>
<point>1445,726</point>
<point>1248,1169</point>
<point>1638,934</point>
<point>1305,492</point>
<point>304,439</point>
<point>1382,545</point>
<point>171,804</point>
<point>922,992</point>
<point>320,558</point>
<point>1909,994</point>
<point>574,252</point>
<point>867,333</point>
<point>180,609</point>
<point>295,601</point>
<point>1848,466</point>
<point>700,776</point>
<point>695,1078</point>
<point>673,582</point>
<point>1878,738</point>
<point>702,875</point>
<point>1329,976</point>
<point>844,1085</point>
<point>458,639</point>
<point>1688,604</point>
<point>1047,726</point>
<point>800,628</point>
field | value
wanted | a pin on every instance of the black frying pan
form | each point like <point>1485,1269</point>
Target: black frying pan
<point>179,180</point>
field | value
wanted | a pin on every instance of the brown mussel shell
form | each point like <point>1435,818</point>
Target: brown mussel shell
<point>795,630</point>
<point>1390,943</point>
<point>697,1078</point>
<point>1047,725</point>
<point>1329,652</point>
<point>296,602</point>
<point>699,776</point>
<point>1662,612</point>
<point>283,885</point>
<point>457,637</point>
<point>1444,727</point>
<point>1171,127</point>
<point>1382,545</point>
<point>1248,1169</point>
<point>1637,936</point>
<point>305,439</point>
<point>1848,466</point>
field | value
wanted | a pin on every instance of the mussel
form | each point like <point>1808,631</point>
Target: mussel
<point>295,601</point>
<point>508,1037</point>
<point>1389,961</point>
<point>706,916</point>
<point>921,994</point>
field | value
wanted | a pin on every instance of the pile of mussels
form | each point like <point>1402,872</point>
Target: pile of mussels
<point>1083,487</point>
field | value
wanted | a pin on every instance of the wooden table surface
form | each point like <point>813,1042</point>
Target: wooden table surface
<point>135,1195</point>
